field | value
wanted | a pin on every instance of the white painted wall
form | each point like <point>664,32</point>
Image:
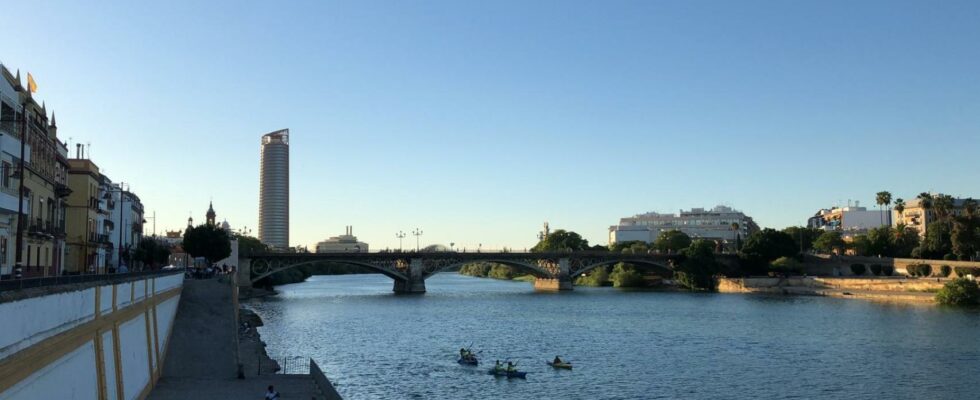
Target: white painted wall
<point>71,377</point>
<point>166,312</point>
<point>32,320</point>
<point>124,294</point>
<point>169,282</point>
<point>139,290</point>
<point>74,376</point>
<point>105,300</point>
<point>133,356</point>
<point>110,365</point>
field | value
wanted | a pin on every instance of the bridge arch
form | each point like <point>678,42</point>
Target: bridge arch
<point>274,266</point>
<point>518,265</point>
<point>639,262</point>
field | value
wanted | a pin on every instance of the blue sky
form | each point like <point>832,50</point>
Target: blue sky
<point>478,121</point>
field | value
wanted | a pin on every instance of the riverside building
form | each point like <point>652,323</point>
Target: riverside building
<point>698,223</point>
<point>274,190</point>
<point>346,243</point>
<point>850,219</point>
<point>917,217</point>
<point>42,225</point>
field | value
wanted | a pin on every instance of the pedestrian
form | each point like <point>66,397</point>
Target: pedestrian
<point>271,394</point>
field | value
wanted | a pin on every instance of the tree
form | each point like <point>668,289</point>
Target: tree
<point>671,241</point>
<point>151,252</point>
<point>561,240</point>
<point>207,241</point>
<point>598,277</point>
<point>880,241</point>
<point>737,236</point>
<point>829,242</point>
<point>803,235</point>
<point>937,241</point>
<point>249,245</point>
<point>965,237</point>
<point>860,245</point>
<point>905,240</point>
<point>698,270</point>
<point>959,292</point>
<point>900,206</point>
<point>883,198</point>
<point>766,245</point>
<point>626,276</point>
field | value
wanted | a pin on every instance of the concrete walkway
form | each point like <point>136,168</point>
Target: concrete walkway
<point>202,358</point>
<point>288,386</point>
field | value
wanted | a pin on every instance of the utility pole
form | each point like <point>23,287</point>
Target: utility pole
<point>417,232</point>
<point>400,235</point>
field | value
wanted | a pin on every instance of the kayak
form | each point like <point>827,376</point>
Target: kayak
<point>560,365</point>
<point>515,374</point>
<point>468,361</point>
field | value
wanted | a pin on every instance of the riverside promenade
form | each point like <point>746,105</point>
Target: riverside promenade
<point>204,354</point>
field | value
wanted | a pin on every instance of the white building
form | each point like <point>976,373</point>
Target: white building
<point>127,220</point>
<point>713,224</point>
<point>346,243</point>
<point>9,185</point>
<point>853,219</point>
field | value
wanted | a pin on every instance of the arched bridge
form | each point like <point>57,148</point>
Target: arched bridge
<point>554,271</point>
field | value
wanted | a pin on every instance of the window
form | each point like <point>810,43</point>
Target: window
<point>6,170</point>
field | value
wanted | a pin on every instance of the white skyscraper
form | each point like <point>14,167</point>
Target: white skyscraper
<point>274,190</point>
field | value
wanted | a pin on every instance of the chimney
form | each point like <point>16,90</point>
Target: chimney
<point>78,150</point>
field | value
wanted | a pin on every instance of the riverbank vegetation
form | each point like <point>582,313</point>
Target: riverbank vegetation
<point>959,292</point>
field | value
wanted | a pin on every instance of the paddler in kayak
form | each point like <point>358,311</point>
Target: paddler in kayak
<point>497,367</point>
<point>557,361</point>
<point>510,367</point>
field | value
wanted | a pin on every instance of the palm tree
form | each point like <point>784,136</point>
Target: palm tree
<point>883,198</point>
<point>925,201</point>
<point>943,205</point>
<point>735,229</point>
<point>900,207</point>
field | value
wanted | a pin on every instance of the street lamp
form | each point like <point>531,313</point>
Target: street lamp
<point>417,232</point>
<point>400,235</point>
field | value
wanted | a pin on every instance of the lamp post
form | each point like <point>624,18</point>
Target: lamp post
<point>417,232</point>
<point>400,235</point>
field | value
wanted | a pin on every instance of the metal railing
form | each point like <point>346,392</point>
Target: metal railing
<point>19,284</point>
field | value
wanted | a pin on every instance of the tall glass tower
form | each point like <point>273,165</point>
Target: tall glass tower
<point>274,190</point>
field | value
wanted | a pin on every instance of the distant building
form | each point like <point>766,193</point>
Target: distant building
<point>917,217</point>
<point>346,243</point>
<point>274,190</point>
<point>851,219</point>
<point>713,224</point>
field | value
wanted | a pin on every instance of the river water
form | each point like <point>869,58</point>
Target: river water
<point>624,344</point>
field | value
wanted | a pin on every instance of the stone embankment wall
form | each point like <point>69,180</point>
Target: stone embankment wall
<point>841,266</point>
<point>100,342</point>
<point>898,289</point>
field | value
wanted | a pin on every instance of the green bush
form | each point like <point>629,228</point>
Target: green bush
<point>857,269</point>
<point>945,270</point>
<point>876,269</point>
<point>949,257</point>
<point>625,276</point>
<point>598,277</point>
<point>959,292</point>
<point>786,265</point>
<point>480,269</point>
<point>919,269</point>
<point>499,271</point>
<point>964,271</point>
<point>888,270</point>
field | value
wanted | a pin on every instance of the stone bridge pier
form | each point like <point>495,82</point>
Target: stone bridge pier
<point>415,280</point>
<point>562,279</point>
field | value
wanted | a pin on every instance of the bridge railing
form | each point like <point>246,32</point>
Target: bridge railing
<point>27,283</point>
